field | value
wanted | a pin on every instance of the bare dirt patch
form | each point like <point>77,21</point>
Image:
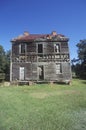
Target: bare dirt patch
<point>68,92</point>
<point>42,95</point>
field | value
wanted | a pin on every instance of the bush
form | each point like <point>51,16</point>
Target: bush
<point>2,76</point>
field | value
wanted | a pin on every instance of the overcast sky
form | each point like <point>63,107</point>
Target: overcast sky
<point>67,17</point>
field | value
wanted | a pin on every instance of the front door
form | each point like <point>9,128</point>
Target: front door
<point>21,73</point>
<point>41,72</point>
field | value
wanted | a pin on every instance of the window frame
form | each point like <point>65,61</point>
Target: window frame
<point>58,68</point>
<point>55,47</point>
<point>22,48</point>
<point>40,44</point>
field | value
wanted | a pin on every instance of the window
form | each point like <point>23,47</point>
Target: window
<point>56,48</point>
<point>58,68</point>
<point>40,48</point>
<point>22,48</point>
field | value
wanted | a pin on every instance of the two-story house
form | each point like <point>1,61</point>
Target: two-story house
<point>40,58</point>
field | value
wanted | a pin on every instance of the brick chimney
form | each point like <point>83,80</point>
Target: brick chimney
<point>54,33</point>
<point>26,33</point>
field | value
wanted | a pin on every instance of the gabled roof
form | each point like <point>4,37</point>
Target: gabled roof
<point>32,37</point>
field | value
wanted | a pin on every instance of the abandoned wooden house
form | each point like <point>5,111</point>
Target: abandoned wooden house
<point>40,58</point>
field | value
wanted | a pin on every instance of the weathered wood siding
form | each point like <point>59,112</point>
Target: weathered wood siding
<point>66,70</point>
<point>15,71</point>
<point>29,74</point>
<point>64,47</point>
<point>50,71</point>
<point>15,49</point>
<point>31,48</point>
<point>31,60</point>
<point>48,48</point>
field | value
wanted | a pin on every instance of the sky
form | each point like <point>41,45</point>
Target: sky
<point>67,17</point>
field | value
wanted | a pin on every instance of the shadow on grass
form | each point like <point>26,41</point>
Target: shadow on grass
<point>84,81</point>
<point>81,79</point>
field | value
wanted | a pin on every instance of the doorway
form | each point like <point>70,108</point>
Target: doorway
<point>22,73</point>
<point>41,72</point>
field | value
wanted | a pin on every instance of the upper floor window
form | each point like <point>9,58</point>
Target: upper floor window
<point>56,48</point>
<point>40,48</point>
<point>22,48</point>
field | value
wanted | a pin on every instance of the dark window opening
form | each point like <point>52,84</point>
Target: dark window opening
<point>22,48</point>
<point>40,48</point>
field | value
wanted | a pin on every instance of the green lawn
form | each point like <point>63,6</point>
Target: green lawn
<point>43,107</point>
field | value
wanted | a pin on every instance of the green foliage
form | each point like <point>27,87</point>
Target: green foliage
<point>82,50</point>
<point>80,67</point>
<point>2,59</point>
<point>4,63</point>
<point>2,76</point>
<point>82,57</point>
<point>7,66</point>
<point>43,107</point>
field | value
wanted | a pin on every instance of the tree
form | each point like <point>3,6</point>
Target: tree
<point>82,50</point>
<point>74,67</point>
<point>2,59</point>
<point>4,64</point>
<point>7,65</point>
<point>81,66</point>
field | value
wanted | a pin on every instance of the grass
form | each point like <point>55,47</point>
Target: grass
<point>43,107</point>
